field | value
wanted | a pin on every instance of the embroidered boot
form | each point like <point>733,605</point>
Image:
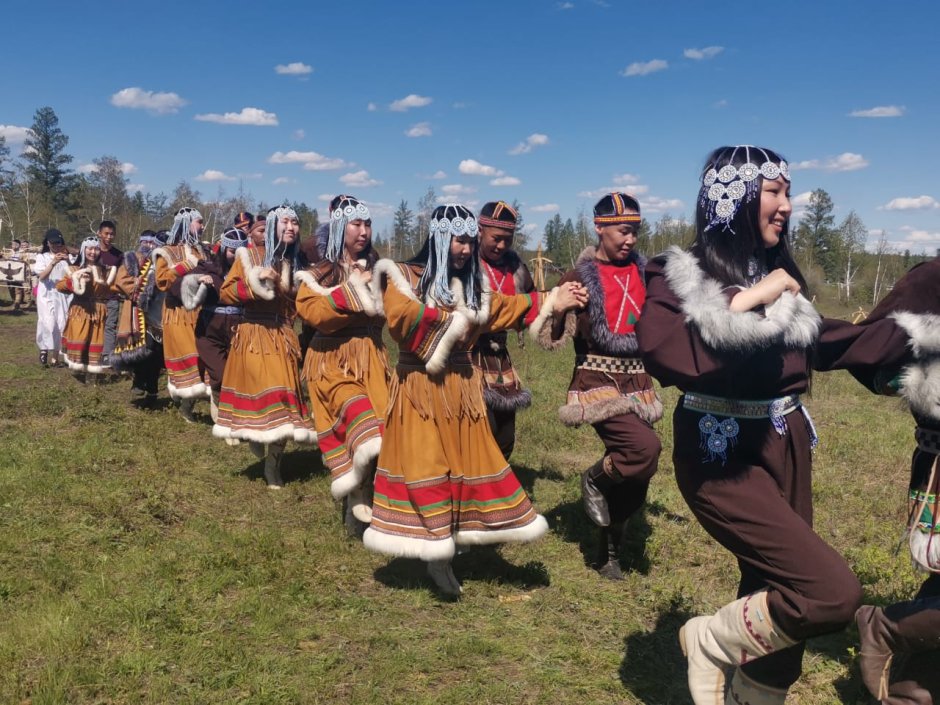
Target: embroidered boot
<point>746,691</point>
<point>272,466</point>
<point>442,573</point>
<point>186,410</point>
<point>740,631</point>
<point>593,481</point>
<point>906,627</point>
<point>608,556</point>
<point>907,693</point>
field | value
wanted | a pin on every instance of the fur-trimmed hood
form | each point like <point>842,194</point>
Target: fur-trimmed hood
<point>791,321</point>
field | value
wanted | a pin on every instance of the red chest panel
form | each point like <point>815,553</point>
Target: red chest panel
<point>624,294</point>
<point>500,280</point>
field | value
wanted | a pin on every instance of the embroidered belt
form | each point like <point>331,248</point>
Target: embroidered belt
<point>928,440</point>
<point>741,408</point>
<point>717,434</point>
<point>255,317</point>
<point>603,363</point>
<point>351,332</point>
<point>225,310</point>
<point>407,359</point>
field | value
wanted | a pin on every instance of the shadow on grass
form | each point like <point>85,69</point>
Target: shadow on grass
<point>527,477</point>
<point>569,522</point>
<point>483,563</point>
<point>653,667</point>
<point>298,465</point>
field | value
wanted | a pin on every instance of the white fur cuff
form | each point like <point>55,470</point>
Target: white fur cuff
<point>78,282</point>
<point>457,328</point>
<point>192,292</point>
<point>923,330</point>
<point>920,387</point>
<point>262,288</point>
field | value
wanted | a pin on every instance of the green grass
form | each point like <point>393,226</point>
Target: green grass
<point>143,561</point>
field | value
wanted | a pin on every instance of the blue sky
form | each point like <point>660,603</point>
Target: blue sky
<point>546,102</point>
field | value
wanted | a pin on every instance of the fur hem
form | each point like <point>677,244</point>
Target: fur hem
<point>545,318</point>
<point>577,414</point>
<point>458,328</point>
<point>74,366</point>
<point>923,329</point>
<point>407,546</point>
<point>192,292</point>
<point>194,391</point>
<point>924,551</point>
<point>532,531</point>
<point>544,336</point>
<point>130,358</point>
<point>362,465</point>
<point>920,387</point>
<point>791,320</point>
<point>507,402</point>
<point>78,284</point>
<point>281,434</point>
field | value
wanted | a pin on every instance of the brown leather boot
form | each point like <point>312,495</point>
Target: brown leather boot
<point>907,693</point>
<point>608,554</point>
<point>905,627</point>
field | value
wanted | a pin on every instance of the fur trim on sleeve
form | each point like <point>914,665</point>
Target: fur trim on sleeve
<point>388,270</point>
<point>481,316</point>
<point>923,329</point>
<point>456,330</point>
<point>791,320</point>
<point>262,289</point>
<point>78,283</point>
<point>285,276</point>
<point>920,387</point>
<point>362,290</point>
<point>190,254</point>
<point>192,292</point>
<point>541,329</point>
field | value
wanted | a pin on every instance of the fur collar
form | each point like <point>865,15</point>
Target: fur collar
<point>791,321</point>
<point>404,278</point>
<point>923,329</point>
<point>608,341</point>
<point>920,387</point>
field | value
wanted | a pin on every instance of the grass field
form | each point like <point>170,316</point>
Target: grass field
<point>143,561</point>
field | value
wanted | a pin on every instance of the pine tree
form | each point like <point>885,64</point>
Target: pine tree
<point>402,230</point>
<point>47,162</point>
<point>820,233</point>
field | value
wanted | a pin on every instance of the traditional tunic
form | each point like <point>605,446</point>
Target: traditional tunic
<point>139,339</point>
<point>746,475</point>
<point>184,372</point>
<point>502,387</point>
<point>441,479</point>
<point>346,371</point>
<point>83,337</point>
<point>52,306</point>
<point>261,398</point>
<point>216,323</point>
<point>609,387</point>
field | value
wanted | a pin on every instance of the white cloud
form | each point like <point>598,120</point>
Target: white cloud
<point>14,134</point>
<point>298,134</point>
<point>545,208</point>
<point>325,197</point>
<point>372,107</point>
<point>252,175</point>
<point>801,200</point>
<point>529,228</point>
<point>642,68</point>
<point>156,103</point>
<point>626,179</point>
<point>720,103</point>
<point>534,140</point>
<point>881,111</point>
<point>505,181</point>
<point>472,166</point>
<point>247,116</point>
<point>655,204</point>
<point>297,68</point>
<point>565,5</point>
<point>126,168</point>
<point>281,180</point>
<point>359,179</point>
<point>439,174</point>
<point>312,161</point>
<point>421,129</point>
<point>134,188</point>
<point>911,203</point>
<point>847,161</point>
<point>922,236</point>
<point>705,53</point>
<point>459,106</point>
<point>452,191</point>
<point>410,101</point>
<point>630,189</point>
<point>214,175</point>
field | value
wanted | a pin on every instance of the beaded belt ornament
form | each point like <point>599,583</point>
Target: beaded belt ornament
<point>616,365</point>
<point>927,440</point>
<point>717,434</point>
<point>225,310</point>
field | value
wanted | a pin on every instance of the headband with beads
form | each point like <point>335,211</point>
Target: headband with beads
<point>233,238</point>
<point>347,210</point>
<point>90,241</point>
<point>440,232</point>
<point>724,189</point>
<point>180,232</point>
<point>272,247</point>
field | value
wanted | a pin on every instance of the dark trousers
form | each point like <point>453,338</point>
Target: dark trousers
<point>503,427</point>
<point>147,371</point>
<point>110,325</point>
<point>631,459</point>
<point>214,333</point>
<point>759,506</point>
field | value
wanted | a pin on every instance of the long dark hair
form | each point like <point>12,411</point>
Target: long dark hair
<point>725,252</point>
<point>435,254</point>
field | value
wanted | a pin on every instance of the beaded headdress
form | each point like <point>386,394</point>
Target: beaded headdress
<point>616,209</point>
<point>498,214</point>
<point>233,238</point>
<point>447,222</point>
<point>273,249</point>
<point>87,242</point>
<point>347,209</point>
<point>725,186</point>
<point>180,233</point>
